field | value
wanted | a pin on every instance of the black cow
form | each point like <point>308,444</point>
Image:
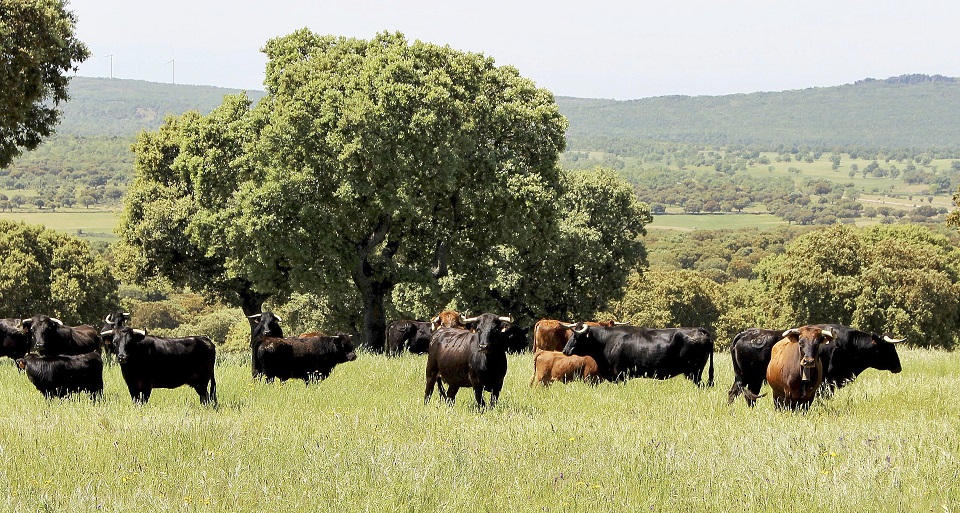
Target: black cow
<point>153,362</point>
<point>51,337</point>
<point>462,358</point>
<point>15,341</point>
<point>414,335</point>
<point>624,352</point>
<point>62,375</point>
<point>750,352</point>
<point>267,325</point>
<point>516,339</point>
<point>309,358</point>
<point>851,352</point>
<point>112,321</point>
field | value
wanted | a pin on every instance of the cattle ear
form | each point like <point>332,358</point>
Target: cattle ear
<point>21,363</point>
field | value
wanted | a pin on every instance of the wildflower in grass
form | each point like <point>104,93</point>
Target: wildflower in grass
<point>187,499</point>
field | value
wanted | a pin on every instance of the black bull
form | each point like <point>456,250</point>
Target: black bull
<point>462,358</point>
<point>50,336</point>
<point>414,335</point>
<point>849,354</point>
<point>624,352</point>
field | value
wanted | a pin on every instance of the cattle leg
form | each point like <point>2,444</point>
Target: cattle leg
<point>478,393</point>
<point>451,394</point>
<point>140,396</point>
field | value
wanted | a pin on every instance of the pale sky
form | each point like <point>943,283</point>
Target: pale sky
<point>597,49</point>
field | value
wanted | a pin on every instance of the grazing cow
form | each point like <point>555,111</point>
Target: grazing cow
<point>550,366</point>
<point>153,362</point>
<point>310,358</point>
<point>447,319</point>
<point>462,358</point>
<point>750,352</point>
<point>112,321</point>
<point>414,335</point>
<point>15,341</point>
<point>850,353</point>
<point>267,325</point>
<point>62,375</point>
<point>624,352</point>
<point>795,372</point>
<point>516,339</point>
<point>553,335</point>
<point>51,337</point>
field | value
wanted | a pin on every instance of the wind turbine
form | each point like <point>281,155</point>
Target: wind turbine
<point>173,71</point>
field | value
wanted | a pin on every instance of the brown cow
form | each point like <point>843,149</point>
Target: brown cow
<point>550,366</point>
<point>552,335</point>
<point>795,371</point>
<point>447,319</point>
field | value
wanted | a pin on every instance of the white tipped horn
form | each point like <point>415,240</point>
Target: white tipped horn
<point>465,321</point>
<point>617,323</point>
<point>277,317</point>
<point>58,321</point>
<point>893,340</point>
<point>582,330</point>
<point>104,333</point>
<point>257,316</point>
<point>508,318</point>
<point>828,333</point>
<point>435,320</point>
<point>569,325</point>
<point>792,331</point>
<point>141,332</point>
<point>106,320</point>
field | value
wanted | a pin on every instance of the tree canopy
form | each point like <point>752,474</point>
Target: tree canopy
<point>373,164</point>
<point>37,46</point>
<point>43,271</point>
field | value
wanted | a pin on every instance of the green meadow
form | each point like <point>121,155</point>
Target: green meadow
<point>90,224</point>
<point>363,441</point>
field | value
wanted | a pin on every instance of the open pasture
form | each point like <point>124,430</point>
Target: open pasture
<point>363,441</point>
<point>85,223</point>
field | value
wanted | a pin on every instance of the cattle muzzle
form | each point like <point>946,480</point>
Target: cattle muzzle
<point>808,362</point>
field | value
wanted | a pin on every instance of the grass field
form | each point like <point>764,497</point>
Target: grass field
<point>363,441</point>
<point>690,222</point>
<point>90,224</point>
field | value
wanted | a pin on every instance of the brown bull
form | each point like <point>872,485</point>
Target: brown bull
<point>795,371</point>
<point>550,366</point>
<point>552,335</point>
<point>447,319</point>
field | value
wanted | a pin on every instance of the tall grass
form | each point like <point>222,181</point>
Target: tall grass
<point>363,441</point>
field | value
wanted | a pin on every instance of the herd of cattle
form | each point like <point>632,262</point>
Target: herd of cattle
<point>797,363</point>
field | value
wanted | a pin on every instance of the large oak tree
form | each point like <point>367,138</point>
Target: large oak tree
<point>37,46</point>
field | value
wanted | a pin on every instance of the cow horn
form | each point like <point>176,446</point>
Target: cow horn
<point>58,321</point>
<point>277,317</point>
<point>569,325</point>
<point>508,318</point>
<point>26,323</point>
<point>435,319</point>
<point>104,333</point>
<point>257,316</point>
<point>106,320</point>
<point>582,330</point>
<point>465,321</point>
<point>792,331</point>
<point>893,340</point>
<point>828,333</point>
<point>141,332</point>
<point>126,314</point>
<point>615,323</point>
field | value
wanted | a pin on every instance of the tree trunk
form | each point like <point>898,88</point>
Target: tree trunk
<point>374,317</point>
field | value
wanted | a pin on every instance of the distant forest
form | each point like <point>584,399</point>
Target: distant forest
<point>904,117</point>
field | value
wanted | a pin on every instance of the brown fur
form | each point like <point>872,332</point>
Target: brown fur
<point>447,319</point>
<point>550,335</point>
<point>550,366</point>
<point>785,373</point>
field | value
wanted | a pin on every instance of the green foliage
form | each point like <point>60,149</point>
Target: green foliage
<point>37,48</point>
<point>901,279</point>
<point>42,271</point>
<point>670,299</point>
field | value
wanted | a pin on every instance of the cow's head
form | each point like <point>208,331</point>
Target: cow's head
<point>125,340</point>
<point>42,330</point>
<point>447,319</point>
<point>581,339</point>
<point>267,325</point>
<point>345,347</point>
<point>809,339</point>
<point>885,355</point>
<point>490,328</point>
<point>113,320</point>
